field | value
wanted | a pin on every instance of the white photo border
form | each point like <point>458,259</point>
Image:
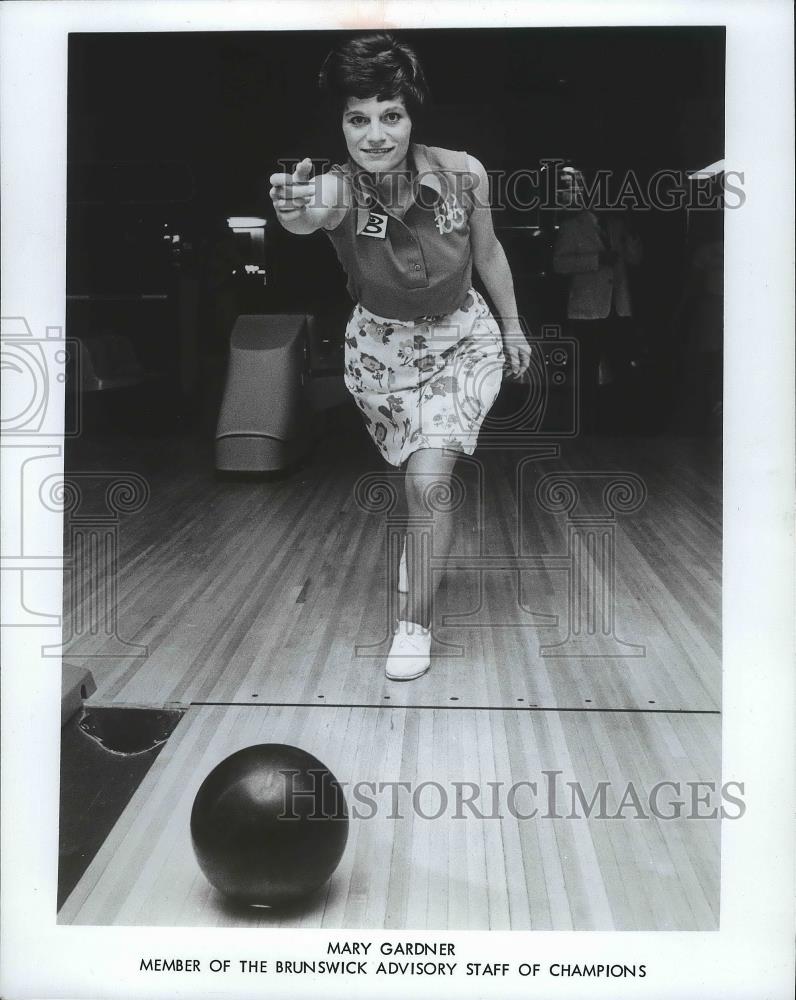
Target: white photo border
<point>752,953</point>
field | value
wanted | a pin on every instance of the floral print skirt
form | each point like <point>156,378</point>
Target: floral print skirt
<point>425,383</point>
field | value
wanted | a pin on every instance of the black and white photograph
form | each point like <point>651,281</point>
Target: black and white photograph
<point>419,463</point>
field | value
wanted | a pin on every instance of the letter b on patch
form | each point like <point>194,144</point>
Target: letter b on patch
<point>375,226</point>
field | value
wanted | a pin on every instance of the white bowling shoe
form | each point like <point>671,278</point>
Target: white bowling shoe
<point>410,653</point>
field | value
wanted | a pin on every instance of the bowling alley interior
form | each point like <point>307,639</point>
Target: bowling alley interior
<point>232,540</point>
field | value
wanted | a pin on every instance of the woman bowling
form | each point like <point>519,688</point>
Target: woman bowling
<point>424,357</point>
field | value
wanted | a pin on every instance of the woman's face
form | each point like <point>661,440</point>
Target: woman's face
<point>377,133</point>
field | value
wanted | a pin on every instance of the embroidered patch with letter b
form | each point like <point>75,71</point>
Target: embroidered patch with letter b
<point>375,226</point>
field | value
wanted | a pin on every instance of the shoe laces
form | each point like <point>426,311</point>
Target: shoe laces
<point>408,643</point>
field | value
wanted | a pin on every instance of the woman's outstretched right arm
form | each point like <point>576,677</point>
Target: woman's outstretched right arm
<point>304,204</point>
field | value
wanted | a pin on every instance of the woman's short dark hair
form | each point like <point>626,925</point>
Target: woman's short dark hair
<point>374,65</point>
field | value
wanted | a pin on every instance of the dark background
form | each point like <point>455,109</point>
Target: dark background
<point>169,134</point>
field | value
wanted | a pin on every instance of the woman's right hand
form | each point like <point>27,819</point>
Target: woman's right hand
<point>292,193</point>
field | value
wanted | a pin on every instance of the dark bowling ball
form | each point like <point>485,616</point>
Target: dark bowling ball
<point>269,824</point>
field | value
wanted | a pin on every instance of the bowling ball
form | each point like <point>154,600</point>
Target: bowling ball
<point>269,825</point>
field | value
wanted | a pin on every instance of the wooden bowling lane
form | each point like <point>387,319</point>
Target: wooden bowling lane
<point>495,872</point>
<point>278,592</point>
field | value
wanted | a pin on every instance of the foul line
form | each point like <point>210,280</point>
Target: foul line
<point>471,708</point>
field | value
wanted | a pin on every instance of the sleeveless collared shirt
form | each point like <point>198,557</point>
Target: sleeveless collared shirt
<point>404,243</point>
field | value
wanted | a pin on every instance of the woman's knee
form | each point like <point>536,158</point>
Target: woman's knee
<point>416,485</point>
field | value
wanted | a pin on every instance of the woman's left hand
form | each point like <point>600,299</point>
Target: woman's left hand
<point>517,351</point>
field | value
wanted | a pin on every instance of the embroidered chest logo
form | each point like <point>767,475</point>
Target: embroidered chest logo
<point>375,226</point>
<point>449,215</point>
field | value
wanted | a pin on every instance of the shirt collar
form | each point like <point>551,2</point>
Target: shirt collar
<point>425,173</point>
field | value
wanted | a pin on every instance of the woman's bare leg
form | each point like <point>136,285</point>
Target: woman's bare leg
<point>428,471</point>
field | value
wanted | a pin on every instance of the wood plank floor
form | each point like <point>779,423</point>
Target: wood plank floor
<point>272,591</point>
<point>492,873</point>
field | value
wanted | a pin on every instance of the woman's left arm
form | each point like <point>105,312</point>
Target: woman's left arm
<point>493,268</point>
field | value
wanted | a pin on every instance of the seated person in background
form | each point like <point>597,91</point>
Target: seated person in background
<point>594,250</point>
